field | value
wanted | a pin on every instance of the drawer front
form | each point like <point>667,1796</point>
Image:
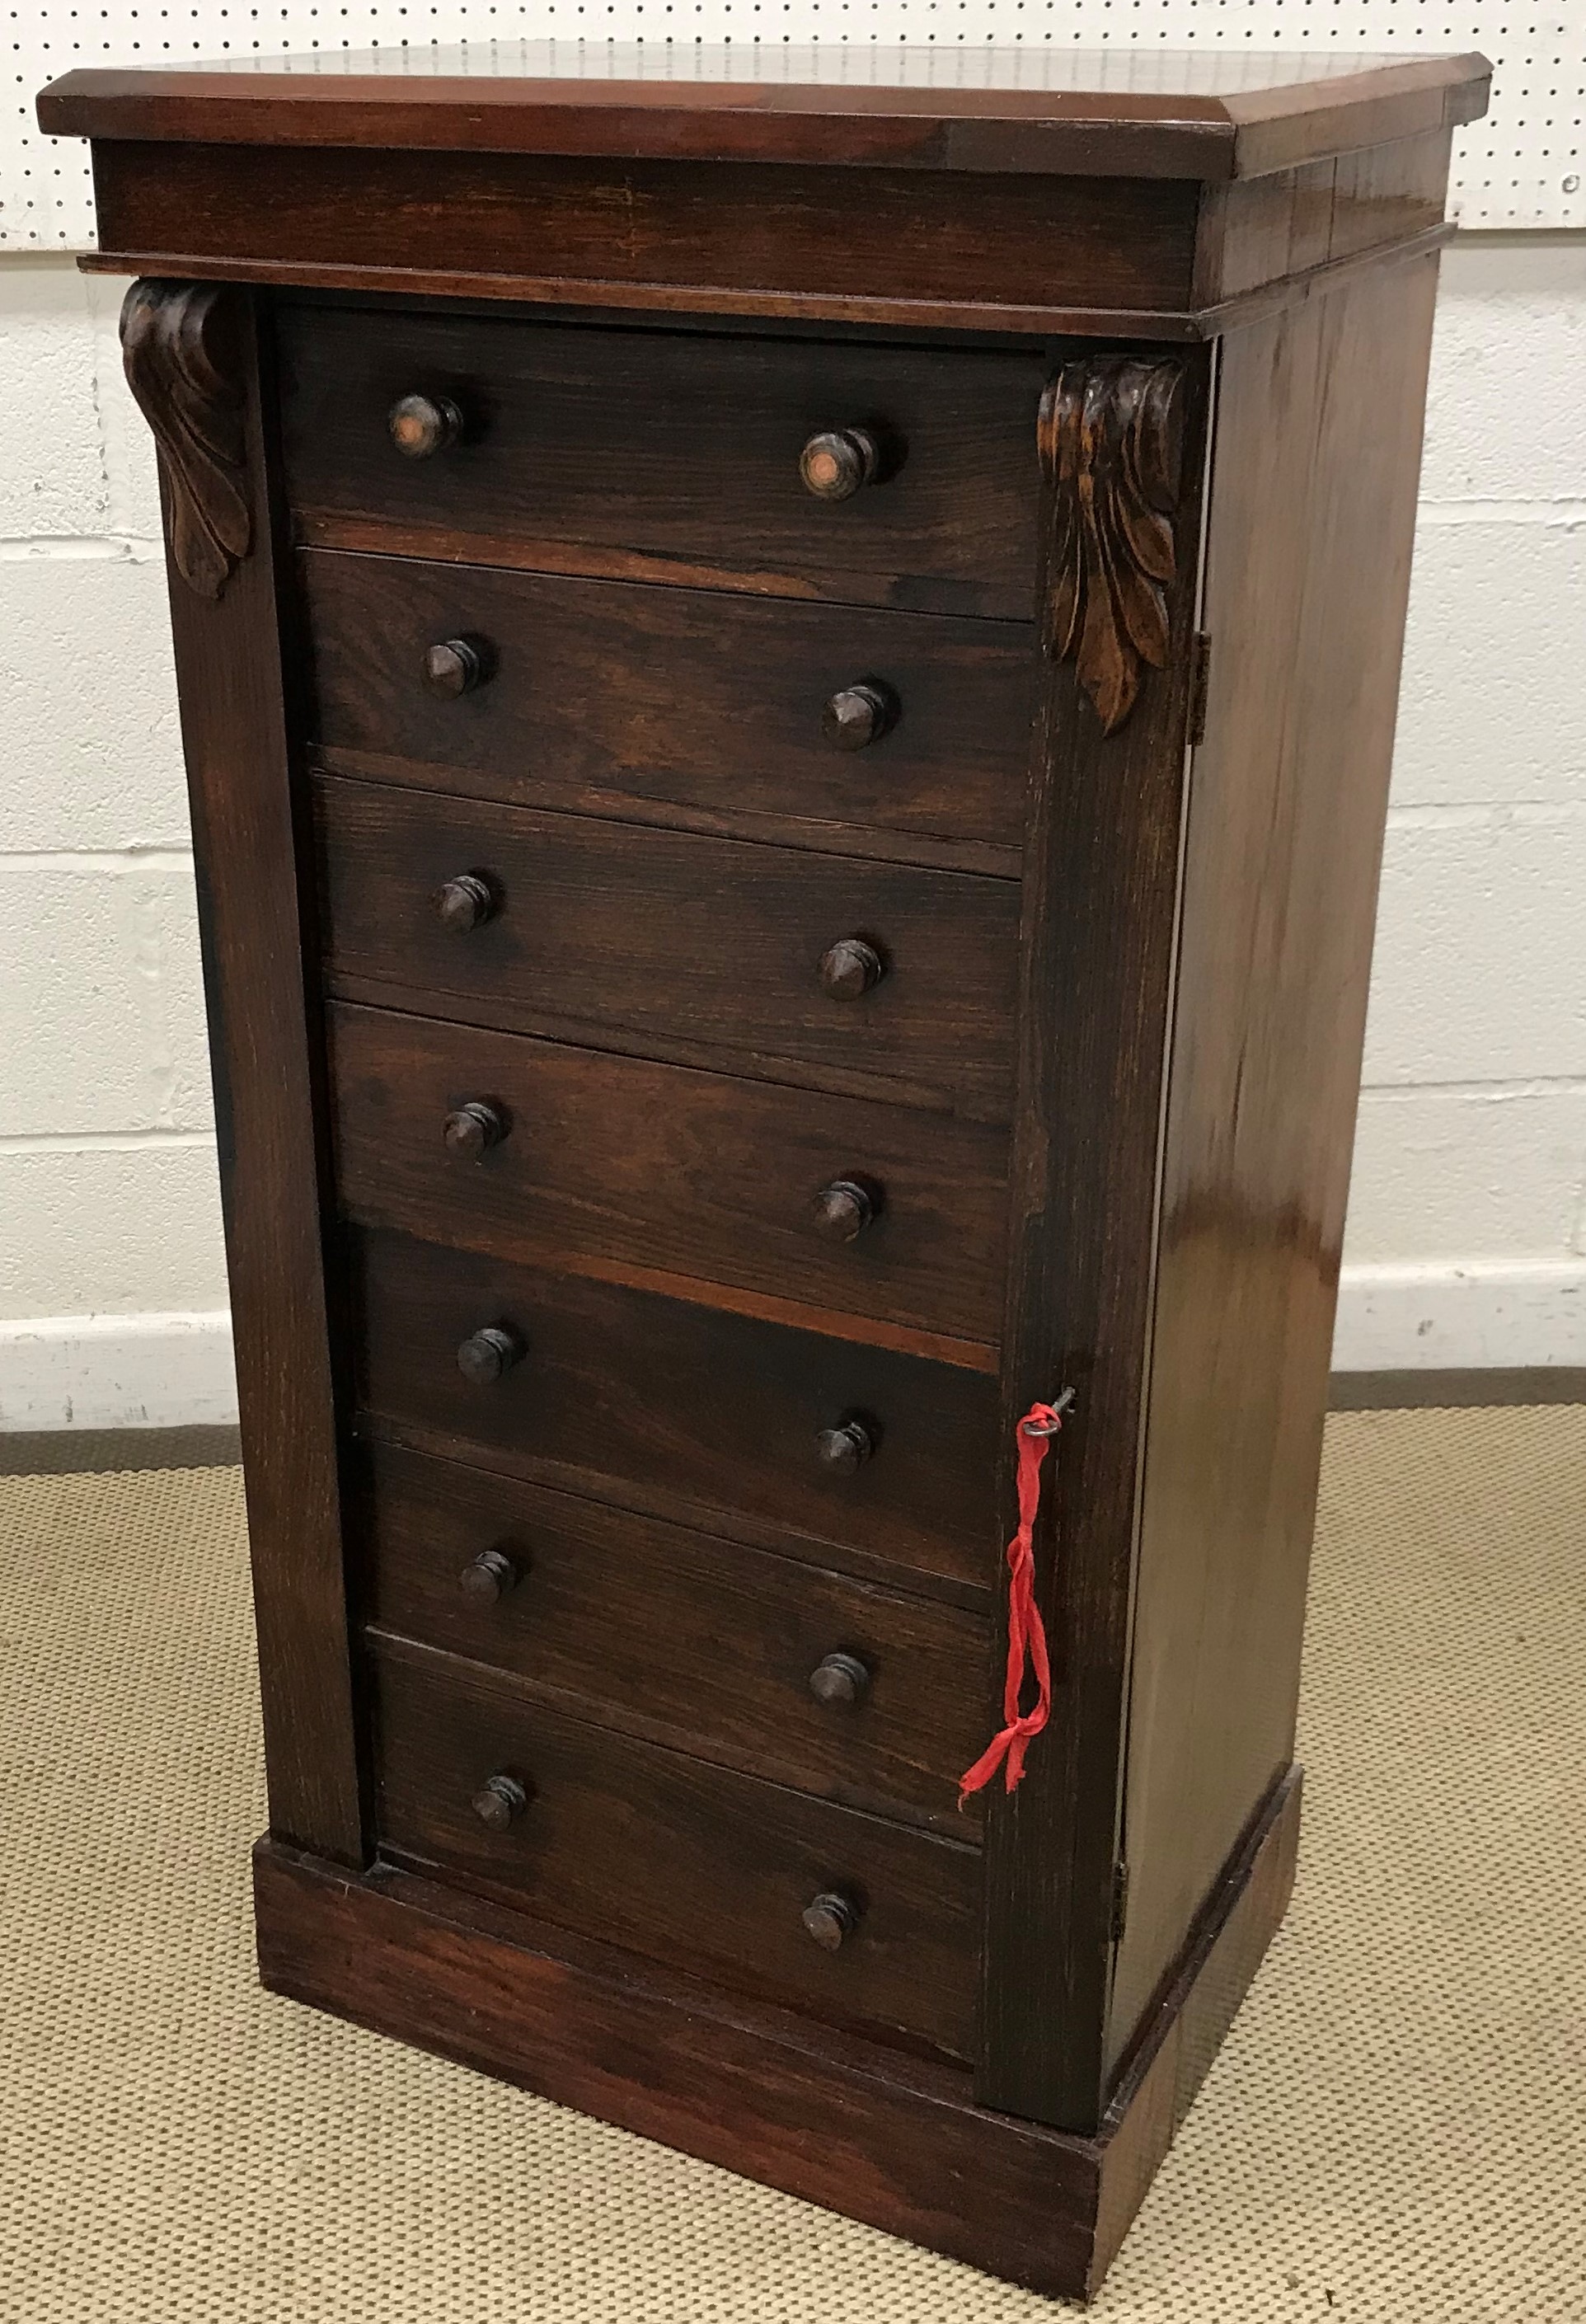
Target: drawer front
<point>810,1678</point>
<point>685,1410</point>
<point>712,948</point>
<point>601,696</point>
<point>540,1152</point>
<point>667,455</point>
<point>683,1862</point>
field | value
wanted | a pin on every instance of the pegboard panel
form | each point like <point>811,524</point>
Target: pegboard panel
<point>1522,166</point>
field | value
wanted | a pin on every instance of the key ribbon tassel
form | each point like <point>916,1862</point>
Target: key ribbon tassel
<point>1026,1633</point>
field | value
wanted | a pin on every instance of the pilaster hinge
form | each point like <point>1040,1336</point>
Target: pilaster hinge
<point>1200,674</point>
<point>1120,1901</point>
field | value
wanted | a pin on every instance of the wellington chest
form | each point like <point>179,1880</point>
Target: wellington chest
<point>788,667</point>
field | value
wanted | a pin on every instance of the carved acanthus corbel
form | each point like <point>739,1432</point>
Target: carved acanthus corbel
<point>181,346</point>
<point>1110,438</point>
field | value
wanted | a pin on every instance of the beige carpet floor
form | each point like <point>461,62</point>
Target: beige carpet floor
<point>1395,2129</point>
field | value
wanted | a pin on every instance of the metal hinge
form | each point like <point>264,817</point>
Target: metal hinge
<point>1200,674</point>
<point>1120,1901</point>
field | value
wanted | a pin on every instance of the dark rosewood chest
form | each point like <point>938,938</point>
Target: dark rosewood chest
<point>789,685</point>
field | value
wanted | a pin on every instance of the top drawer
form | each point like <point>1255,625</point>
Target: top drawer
<point>658,455</point>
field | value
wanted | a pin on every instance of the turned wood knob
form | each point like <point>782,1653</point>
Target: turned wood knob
<point>843,1209</point>
<point>849,968</point>
<point>829,1918</point>
<point>840,1681</point>
<point>474,1129</point>
<point>500,1801</point>
<point>489,1576</point>
<point>488,1354</point>
<point>422,425</point>
<point>465,902</point>
<point>456,666</point>
<point>833,465</point>
<point>857,716</point>
<point>845,1448</point>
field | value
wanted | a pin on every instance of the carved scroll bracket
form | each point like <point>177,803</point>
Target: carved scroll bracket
<point>1110,438</point>
<point>181,343</point>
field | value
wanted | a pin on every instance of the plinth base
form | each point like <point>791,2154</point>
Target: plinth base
<point>863,2129</point>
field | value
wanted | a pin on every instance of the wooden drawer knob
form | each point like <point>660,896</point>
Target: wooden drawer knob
<point>488,1355</point>
<point>456,666</point>
<point>845,1448</point>
<point>488,1577</point>
<point>840,1681</point>
<point>474,1129</point>
<point>833,465</point>
<point>844,1209</point>
<point>858,716</point>
<point>849,968</point>
<point>829,1918</point>
<point>500,1801</point>
<point>422,425</point>
<point>465,902</point>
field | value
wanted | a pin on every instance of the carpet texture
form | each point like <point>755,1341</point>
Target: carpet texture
<point>1395,2129</point>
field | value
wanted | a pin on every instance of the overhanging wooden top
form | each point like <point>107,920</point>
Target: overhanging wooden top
<point>1201,114</point>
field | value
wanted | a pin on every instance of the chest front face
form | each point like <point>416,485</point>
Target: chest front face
<point>672,755</point>
<point>775,894</point>
<point>681,795</point>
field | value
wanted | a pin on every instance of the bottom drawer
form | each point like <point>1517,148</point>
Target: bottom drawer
<point>853,1920</point>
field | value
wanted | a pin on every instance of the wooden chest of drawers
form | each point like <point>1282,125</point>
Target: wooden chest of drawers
<point>789,688</point>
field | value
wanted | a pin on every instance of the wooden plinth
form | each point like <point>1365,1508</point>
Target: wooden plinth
<point>866,2130</point>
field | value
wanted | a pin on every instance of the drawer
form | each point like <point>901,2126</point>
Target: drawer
<point>667,456</point>
<point>685,1411</point>
<point>712,950</point>
<point>683,1862</point>
<point>810,1678</point>
<point>541,1152</point>
<point>605,697</point>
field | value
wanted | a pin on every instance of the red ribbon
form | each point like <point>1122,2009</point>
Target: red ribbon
<point>1026,1633</point>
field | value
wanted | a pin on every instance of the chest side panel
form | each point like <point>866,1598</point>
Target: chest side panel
<point>1317,457</point>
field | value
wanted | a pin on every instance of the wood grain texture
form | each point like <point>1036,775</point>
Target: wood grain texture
<point>1295,222</point>
<point>1218,122</point>
<point>700,470</point>
<point>624,1390</point>
<point>183,347</point>
<point>665,305</point>
<point>676,1636</point>
<point>1308,557</point>
<point>675,1859</point>
<point>256,919</point>
<point>639,939</point>
<point>876,843</point>
<point>608,699</point>
<point>874,2134</point>
<point>613,1166</point>
<point>1100,898</point>
<point>625,228</point>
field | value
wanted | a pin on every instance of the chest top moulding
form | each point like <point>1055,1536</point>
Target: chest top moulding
<point>1156,197</point>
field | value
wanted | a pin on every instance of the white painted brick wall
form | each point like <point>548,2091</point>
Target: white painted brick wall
<point>112,1275</point>
<point>1467,1226</point>
<point>1467,1235</point>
